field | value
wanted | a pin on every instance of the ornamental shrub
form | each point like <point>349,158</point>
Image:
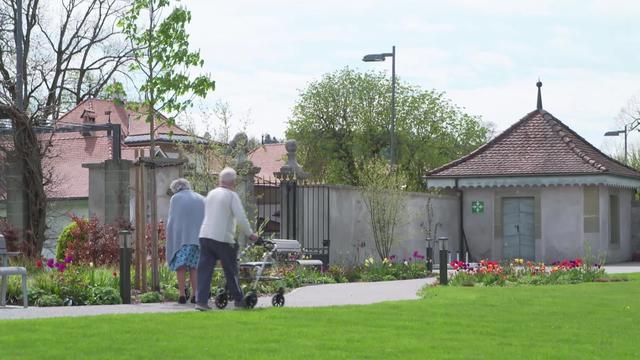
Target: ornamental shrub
<point>170,294</point>
<point>92,242</point>
<point>49,300</point>
<point>35,294</point>
<point>11,236</point>
<point>151,297</point>
<point>64,239</point>
<point>104,296</point>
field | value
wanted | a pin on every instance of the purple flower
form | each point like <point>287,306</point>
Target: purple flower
<point>60,266</point>
<point>392,257</point>
<point>50,263</point>
<point>68,259</point>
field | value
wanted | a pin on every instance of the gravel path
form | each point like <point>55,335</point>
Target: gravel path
<point>309,296</point>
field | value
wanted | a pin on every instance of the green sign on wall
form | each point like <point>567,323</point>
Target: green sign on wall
<point>477,207</point>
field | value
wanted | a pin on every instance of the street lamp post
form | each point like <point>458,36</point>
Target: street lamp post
<point>627,129</point>
<point>382,57</point>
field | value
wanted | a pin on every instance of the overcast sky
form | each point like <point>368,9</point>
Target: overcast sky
<point>486,55</point>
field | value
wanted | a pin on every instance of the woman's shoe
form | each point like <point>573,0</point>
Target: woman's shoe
<point>182,300</point>
<point>193,300</point>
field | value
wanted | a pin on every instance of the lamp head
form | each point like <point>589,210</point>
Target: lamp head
<point>373,57</point>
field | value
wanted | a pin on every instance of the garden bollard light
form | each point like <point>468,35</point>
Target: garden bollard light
<point>429,256</point>
<point>443,260</point>
<point>125,266</point>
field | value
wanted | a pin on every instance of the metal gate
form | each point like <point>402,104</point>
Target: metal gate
<point>296,209</point>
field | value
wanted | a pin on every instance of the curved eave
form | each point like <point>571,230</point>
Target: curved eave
<point>533,181</point>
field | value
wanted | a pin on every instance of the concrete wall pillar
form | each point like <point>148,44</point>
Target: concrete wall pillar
<point>109,189</point>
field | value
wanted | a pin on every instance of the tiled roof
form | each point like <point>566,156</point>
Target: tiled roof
<point>537,145</point>
<point>70,150</point>
<point>269,158</point>
<point>133,122</point>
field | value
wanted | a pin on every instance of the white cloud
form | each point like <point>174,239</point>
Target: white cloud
<point>262,53</point>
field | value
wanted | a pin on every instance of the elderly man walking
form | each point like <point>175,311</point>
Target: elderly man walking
<point>186,212</point>
<point>222,209</point>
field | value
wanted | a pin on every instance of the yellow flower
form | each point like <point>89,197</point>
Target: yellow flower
<point>368,262</point>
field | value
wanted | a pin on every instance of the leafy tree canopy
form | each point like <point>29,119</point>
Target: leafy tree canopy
<point>343,120</point>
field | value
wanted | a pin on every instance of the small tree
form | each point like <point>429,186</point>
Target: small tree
<point>382,194</point>
<point>165,63</point>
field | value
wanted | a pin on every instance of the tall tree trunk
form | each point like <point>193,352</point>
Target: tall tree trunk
<point>28,151</point>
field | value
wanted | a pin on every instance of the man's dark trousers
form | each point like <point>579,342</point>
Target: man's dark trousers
<point>210,252</point>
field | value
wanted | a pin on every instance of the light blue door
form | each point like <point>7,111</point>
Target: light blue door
<point>518,228</point>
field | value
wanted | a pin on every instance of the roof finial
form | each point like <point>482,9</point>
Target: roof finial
<point>539,85</point>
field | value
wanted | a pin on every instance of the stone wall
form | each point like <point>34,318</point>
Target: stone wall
<point>350,230</point>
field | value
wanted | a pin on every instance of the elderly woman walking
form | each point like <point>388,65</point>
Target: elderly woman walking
<point>186,212</point>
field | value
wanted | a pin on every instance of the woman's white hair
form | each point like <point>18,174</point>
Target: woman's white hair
<point>227,174</point>
<point>179,185</point>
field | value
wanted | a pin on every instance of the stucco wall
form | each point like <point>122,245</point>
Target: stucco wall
<point>562,223</point>
<point>622,251</point>
<point>559,223</point>
<point>58,217</point>
<point>479,227</point>
<point>350,231</point>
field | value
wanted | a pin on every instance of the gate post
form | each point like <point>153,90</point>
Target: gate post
<point>245,183</point>
<point>289,175</point>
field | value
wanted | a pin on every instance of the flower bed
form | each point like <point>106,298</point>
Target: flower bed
<point>521,272</point>
<point>71,282</point>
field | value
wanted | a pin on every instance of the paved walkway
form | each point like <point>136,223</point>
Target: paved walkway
<point>309,296</point>
<point>622,268</point>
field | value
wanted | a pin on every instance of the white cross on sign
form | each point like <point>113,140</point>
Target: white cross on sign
<point>477,207</point>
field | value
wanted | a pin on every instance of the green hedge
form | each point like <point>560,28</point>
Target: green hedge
<point>64,239</point>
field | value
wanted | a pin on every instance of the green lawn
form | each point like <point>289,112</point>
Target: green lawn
<point>587,321</point>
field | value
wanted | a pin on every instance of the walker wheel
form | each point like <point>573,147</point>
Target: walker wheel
<point>221,300</point>
<point>277,300</point>
<point>250,300</point>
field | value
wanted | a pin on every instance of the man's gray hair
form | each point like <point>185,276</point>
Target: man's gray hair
<point>228,174</point>
<point>179,185</point>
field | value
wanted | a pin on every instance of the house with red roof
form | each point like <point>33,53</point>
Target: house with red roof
<point>69,190</point>
<point>539,191</point>
<point>269,158</point>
